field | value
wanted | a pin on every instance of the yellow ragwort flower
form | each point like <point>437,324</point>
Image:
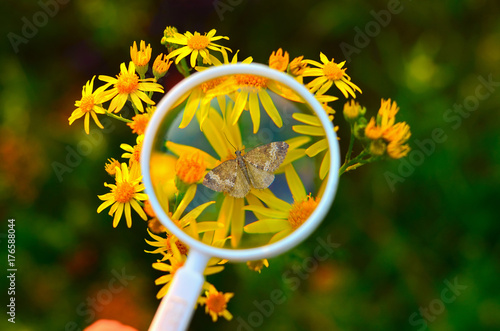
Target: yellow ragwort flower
<point>278,60</point>
<point>216,303</point>
<point>141,57</point>
<point>161,66</point>
<point>126,193</point>
<point>139,123</point>
<point>297,67</point>
<point>196,45</point>
<point>177,260</point>
<point>328,73</point>
<point>314,128</point>
<point>282,218</point>
<point>111,166</point>
<point>89,105</point>
<point>133,153</point>
<point>301,211</point>
<point>164,244</point>
<point>352,110</point>
<point>384,131</point>
<point>128,86</point>
<point>258,265</point>
<point>190,168</point>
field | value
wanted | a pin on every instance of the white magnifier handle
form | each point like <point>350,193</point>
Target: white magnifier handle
<point>177,307</point>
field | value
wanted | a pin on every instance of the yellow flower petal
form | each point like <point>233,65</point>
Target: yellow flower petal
<point>317,148</point>
<point>308,130</point>
<point>270,108</point>
<point>325,165</point>
<point>191,107</point>
<point>295,184</point>
<point>179,149</point>
<point>307,119</point>
<point>188,197</point>
<point>241,102</point>
<point>224,218</point>
<point>254,111</point>
<point>271,213</point>
<point>270,225</point>
<point>271,200</point>
<point>237,222</point>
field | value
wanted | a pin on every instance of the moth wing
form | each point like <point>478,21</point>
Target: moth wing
<point>223,177</point>
<point>260,179</point>
<point>241,186</point>
<point>267,157</point>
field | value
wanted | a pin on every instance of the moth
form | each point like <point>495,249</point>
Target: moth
<point>254,169</point>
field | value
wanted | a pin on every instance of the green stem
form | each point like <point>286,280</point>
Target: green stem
<point>118,117</point>
<point>351,144</point>
<point>182,67</point>
<point>357,159</point>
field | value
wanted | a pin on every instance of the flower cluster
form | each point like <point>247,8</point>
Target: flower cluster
<point>218,110</point>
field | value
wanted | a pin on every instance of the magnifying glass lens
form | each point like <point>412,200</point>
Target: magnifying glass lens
<point>239,161</point>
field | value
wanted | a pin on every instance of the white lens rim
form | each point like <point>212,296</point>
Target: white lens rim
<point>296,236</point>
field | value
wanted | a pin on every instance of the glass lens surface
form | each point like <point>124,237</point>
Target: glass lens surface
<point>240,161</point>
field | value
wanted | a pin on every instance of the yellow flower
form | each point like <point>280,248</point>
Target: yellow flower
<point>141,57</point>
<point>177,260</point>
<point>301,211</point>
<point>397,136</point>
<point>386,135</point>
<point>253,89</point>
<point>128,86</point>
<point>314,128</point>
<point>139,123</point>
<point>352,110</point>
<point>89,105</point>
<point>111,166</point>
<point>278,60</point>
<point>258,265</point>
<point>164,244</point>
<point>161,66</point>
<point>198,100</point>
<point>196,45</point>
<point>329,73</point>
<point>124,194</point>
<point>297,67</point>
<point>190,168</point>
<point>216,303</point>
<point>133,153</point>
<point>282,218</point>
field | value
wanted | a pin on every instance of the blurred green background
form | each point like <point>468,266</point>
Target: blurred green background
<point>418,238</point>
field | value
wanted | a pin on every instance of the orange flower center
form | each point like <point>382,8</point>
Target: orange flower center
<point>127,83</point>
<point>124,192</point>
<point>87,103</point>
<point>198,42</point>
<point>190,168</point>
<point>301,211</point>
<point>216,302</point>
<point>136,155</point>
<point>139,124</point>
<point>180,246</point>
<point>332,71</point>
<point>251,80</point>
<point>212,84</point>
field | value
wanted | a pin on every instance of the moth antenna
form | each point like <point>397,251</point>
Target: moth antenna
<point>229,141</point>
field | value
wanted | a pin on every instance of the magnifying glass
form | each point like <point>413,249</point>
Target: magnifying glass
<point>257,168</point>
